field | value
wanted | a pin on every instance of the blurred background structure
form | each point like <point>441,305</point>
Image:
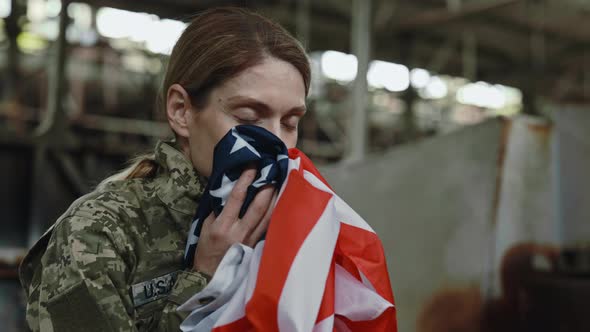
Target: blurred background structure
<point>459,129</point>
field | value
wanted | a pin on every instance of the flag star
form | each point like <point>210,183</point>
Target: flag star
<point>240,143</point>
<point>263,177</point>
<point>224,190</point>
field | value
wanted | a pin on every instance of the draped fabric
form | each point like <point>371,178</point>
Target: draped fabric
<point>242,146</point>
<point>320,267</point>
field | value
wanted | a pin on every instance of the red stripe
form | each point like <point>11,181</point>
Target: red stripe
<point>240,325</point>
<point>348,264</point>
<point>364,249</point>
<point>296,213</point>
<point>387,322</point>
<point>327,305</point>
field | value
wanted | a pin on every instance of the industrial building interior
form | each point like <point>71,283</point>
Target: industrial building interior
<point>459,129</point>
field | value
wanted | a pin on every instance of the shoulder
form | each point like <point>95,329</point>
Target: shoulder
<point>110,211</point>
<point>95,223</point>
<point>120,197</point>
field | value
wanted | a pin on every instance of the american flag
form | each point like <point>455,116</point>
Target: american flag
<point>321,267</point>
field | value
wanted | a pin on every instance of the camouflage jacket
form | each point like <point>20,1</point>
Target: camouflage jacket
<point>113,261</point>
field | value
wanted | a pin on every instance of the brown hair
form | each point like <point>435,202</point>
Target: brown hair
<point>217,45</point>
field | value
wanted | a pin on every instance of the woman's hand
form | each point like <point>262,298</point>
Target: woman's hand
<point>218,234</point>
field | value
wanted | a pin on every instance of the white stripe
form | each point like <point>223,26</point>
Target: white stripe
<point>236,307</point>
<point>230,275</point>
<point>354,300</point>
<point>304,288</point>
<point>345,213</point>
<point>294,165</point>
<point>348,216</point>
<point>253,272</point>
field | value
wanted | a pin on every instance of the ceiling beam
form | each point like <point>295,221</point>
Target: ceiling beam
<point>526,26</point>
<point>431,17</point>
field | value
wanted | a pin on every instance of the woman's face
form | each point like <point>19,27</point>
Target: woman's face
<point>270,95</point>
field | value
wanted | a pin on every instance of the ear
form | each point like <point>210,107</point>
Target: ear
<point>178,108</point>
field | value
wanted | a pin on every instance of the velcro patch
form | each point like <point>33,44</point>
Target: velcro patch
<point>154,289</point>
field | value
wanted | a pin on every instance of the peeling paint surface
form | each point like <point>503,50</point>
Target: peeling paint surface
<point>471,220</point>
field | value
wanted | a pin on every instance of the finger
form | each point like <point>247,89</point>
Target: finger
<point>256,210</point>
<point>231,211</point>
<point>262,227</point>
<point>207,222</point>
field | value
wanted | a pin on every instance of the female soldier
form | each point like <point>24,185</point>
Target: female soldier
<point>113,261</point>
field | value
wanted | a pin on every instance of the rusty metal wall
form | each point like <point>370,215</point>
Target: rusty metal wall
<point>526,208</point>
<point>476,224</point>
<point>431,204</point>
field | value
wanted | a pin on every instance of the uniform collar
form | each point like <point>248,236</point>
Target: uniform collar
<point>181,187</point>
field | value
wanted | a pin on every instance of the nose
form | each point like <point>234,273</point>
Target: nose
<point>275,127</point>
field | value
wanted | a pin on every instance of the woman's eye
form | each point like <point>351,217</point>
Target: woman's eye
<point>246,116</point>
<point>247,120</point>
<point>291,123</point>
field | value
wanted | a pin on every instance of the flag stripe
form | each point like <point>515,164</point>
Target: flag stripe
<point>325,325</point>
<point>287,231</point>
<point>327,306</point>
<point>385,323</point>
<point>235,310</point>
<point>364,249</point>
<point>302,290</point>
<point>345,213</point>
<point>350,292</point>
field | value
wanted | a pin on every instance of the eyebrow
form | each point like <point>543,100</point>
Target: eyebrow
<point>259,105</point>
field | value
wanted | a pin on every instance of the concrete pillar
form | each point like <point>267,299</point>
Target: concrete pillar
<point>361,47</point>
<point>469,55</point>
<point>303,22</point>
<point>537,64</point>
<point>410,121</point>
<point>12,30</point>
<point>54,117</point>
<point>586,76</point>
<point>51,131</point>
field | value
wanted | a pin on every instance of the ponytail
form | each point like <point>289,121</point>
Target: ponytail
<point>144,166</point>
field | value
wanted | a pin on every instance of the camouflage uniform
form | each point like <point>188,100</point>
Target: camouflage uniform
<point>113,261</point>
